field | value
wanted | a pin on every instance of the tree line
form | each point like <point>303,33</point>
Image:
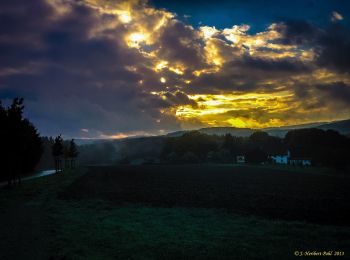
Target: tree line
<point>325,148</point>
<point>64,154</point>
<point>21,145</point>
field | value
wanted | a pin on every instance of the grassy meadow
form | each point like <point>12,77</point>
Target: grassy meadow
<point>175,212</point>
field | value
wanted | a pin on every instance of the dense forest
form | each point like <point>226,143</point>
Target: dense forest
<point>326,148</point>
<point>321,147</point>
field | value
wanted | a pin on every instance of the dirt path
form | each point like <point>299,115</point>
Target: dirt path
<point>34,176</point>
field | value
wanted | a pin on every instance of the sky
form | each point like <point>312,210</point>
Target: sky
<point>113,69</point>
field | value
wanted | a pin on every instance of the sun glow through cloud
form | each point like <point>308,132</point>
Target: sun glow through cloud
<point>237,109</point>
<point>134,39</point>
<point>125,17</point>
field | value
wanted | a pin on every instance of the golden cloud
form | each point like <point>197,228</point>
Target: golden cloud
<point>274,99</point>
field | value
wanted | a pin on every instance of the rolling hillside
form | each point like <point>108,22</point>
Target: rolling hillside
<point>342,127</point>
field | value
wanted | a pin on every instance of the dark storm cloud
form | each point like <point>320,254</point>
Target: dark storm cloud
<point>21,25</point>
<point>18,18</point>
<point>339,91</point>
<point>332,44</point>
<point>248,74</point>
<point>180,98</point>
<point>335,95</point>
<point>180,43</point>
<point>69,79</point>
<point>334,49</point>
<point>297,32</point>
<point>266,65</point>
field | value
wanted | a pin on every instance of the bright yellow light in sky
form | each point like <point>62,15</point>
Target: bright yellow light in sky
<point>208,31</point>
<point>161,65</point>
<point>162,79</point>
<point>165,64</point>
<point>212,54</point>
<point>176,70</point>
<point>233,38</point>
<point>125,17</point>
<point>227,110</point>
<point>137,37</point>
<point>237,122</point>
<point>134,39</point>
<point>259,42</point>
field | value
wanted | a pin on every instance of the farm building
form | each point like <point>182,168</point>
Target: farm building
<point>300,161</point>
<point>240,159</point>
<point>281,158</point>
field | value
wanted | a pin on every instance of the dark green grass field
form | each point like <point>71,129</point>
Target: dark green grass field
<point>265,192</point>
<point>176,212</point>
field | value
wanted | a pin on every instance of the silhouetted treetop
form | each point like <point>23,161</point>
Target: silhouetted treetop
<point>57,148</point>
<point>72,150</point>
<point>21,146</point>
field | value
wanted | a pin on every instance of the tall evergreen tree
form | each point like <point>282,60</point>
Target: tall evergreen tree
<point>57,152</point>
<point>72,153</point>
<point>21,146</point>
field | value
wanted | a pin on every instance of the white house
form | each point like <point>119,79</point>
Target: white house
<point>281,158</point>
<point>240,159</point>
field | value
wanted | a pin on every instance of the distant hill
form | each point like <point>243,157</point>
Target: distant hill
<point>140,149</point>
<point>218,131</point>
<point>82,141</point>
<point>342,127</point>
<point>244,132</point>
